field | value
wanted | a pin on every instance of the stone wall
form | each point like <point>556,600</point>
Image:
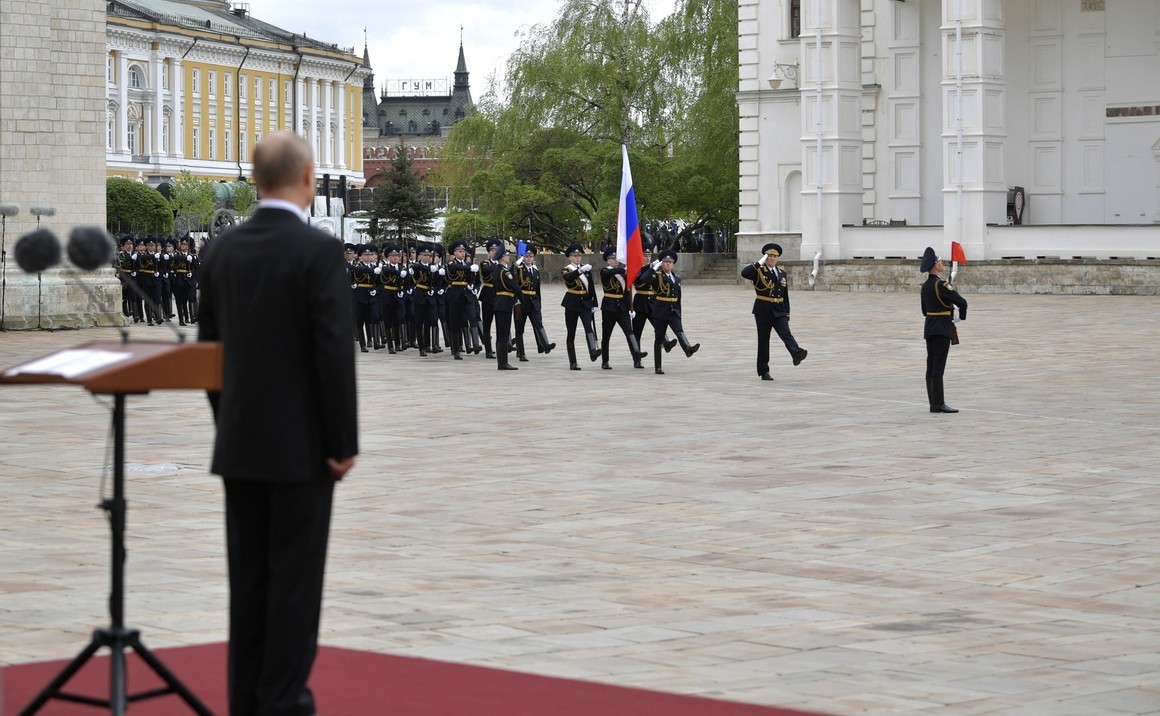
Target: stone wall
<point>52,151</point>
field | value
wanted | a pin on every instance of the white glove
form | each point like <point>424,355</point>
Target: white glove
<point>378,270</point>
<point>132,273</point>
<point>586,268</point>
<point>156,256</point>
<point>632,314</point>
<point>440,292</point>
<point>373,291</point>
<point>594,309</point>
<point>432,268</point>
<point>165,256</point>
<point>354,285</point>
<point>133,256</point>
<point>442,272</point>
<point>409,290</point>
<point>189,257</point>
<point>400,294</point>
<point>655,264</point>
<point>403,273</point>
<point>474,268</point>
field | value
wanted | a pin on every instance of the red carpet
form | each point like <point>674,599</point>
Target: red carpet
<point>359,683</point>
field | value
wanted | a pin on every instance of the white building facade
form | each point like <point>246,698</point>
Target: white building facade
<point>859,112</point>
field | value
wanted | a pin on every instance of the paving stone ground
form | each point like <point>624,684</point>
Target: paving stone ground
<point>820,542</point>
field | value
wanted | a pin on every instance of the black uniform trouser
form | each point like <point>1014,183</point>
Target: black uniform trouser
<point>534,315</point>
<point>276,534</point>
<point>780,324</point>
<point>570,317</point>
<point>503,335</point>
<point>643,308</point>
<point>166,298</point>
<point>456,321</point>
<point>366,315</point>
<point>151,287</point>
<point>609,320</point>
<point>425,319</point>
<point>937,350</point>
<point>488,310</point>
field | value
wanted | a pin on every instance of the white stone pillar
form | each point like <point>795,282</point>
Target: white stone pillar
<point>326,159</point>
<point>158,116</point>
<point>340,160</point>
<point>975,185</point>
<point>299,99</point>
<point>312,129</point>
<point>177,129</point>
<point>122,104</point>
<point>831,90</point>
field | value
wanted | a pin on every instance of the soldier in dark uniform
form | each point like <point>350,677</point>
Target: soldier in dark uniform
<point>579,303</point>
<point>643,295</point>
<point>147,267</point>
<point>487,294</point>
<point>181,266</point>
<point>528,277</point>
<point>458,276</point>
<point>362,282</point>
<point>392,284</point>
<point>938,301</point>
<point>667,311</point>
<point>439,283</point>
<point>350,251</point>
<point>771,307</point>
<point>169,247</point>
<point>507,292</point>
<point>615,309</point>
<point>123,263</point>
<point>423,298</point>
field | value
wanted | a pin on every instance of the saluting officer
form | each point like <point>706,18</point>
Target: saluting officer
<point>771,307</point>
<point>528,277</point>
<point>667,310</point>
<point>579,303</point>
<point>507,292</point>
<point>939,299</point>
<point>615,309</point>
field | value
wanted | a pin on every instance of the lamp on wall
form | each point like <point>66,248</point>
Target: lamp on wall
<point>783,72</point>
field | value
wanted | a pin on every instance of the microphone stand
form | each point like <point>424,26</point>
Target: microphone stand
<point>3,272</point>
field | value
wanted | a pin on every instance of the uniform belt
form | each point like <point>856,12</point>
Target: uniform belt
<point>504,293</point>
<point>770,299</point>
<point>421,287</point>
<point>613,295</point>
<point>646,293</point>
<point>667,298</point>
<point>578,292</point>
<point>146,271</point>
<point>180,271</point>
<point>458,283</point>
<point>366,285</point>
<point>528,292</point>
<point>487,285</point>
<point>939,313</point>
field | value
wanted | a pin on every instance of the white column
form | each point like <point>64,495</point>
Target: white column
<point>831,90</point>
<point>340,160</point>
<point>122,104</point>
<point>299,99</point>
<point>312,130</point>
<point>974,122</point>
<point>326,159</point>
<point>177,130</point>
<point>158,116</point>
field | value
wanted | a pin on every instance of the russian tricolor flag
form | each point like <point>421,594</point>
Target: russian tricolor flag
<point>628,243</point>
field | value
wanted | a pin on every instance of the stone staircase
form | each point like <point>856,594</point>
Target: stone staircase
<point>722,270</point>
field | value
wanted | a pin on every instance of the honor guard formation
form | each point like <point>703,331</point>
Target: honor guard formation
<point>155,276</point>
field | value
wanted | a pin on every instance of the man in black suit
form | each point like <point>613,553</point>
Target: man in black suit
<point>939,300</point>
<point>771,307</point>
<point>286,424</point>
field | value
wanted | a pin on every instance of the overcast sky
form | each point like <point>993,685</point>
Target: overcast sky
<point>420,39</point>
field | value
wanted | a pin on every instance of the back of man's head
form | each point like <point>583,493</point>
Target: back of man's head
<point>279,161</point>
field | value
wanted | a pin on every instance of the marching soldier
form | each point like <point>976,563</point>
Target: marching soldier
<point>939,300</point>
<point>667,311</point>
<point>169,247</point>
<point>771,307</point>
<point>458,275</point>
<point>130,303</point>
<point>147,266</point>
<point>528,277</point>
<point>579,303</point>
<point>487,293</point>
<point>615,309</point>
<point>423,298</point>
<point>392,284</point>
<point>182,267</point>
<point>362,282</point>
<point>507,292</point>
<point>439,283</point>
<point>643,294</point>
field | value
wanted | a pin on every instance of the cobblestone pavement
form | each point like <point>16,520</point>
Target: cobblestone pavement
<point>820,542</point>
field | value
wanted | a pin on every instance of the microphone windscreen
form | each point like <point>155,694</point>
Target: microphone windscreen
<point>90,248</point>
<point>9,210</point>
<point>37,251</point>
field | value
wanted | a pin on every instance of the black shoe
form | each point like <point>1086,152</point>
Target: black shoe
<point>605,366</point>
<point>182,323</point>
<point>692,349</point>
<point>669,345</point>
<point>456,356</point>
<point>523,359</point>
<point>490,355</point>
<point>507,366</point>
<point>638,364</point>
<point>658,371</point>
<point>573,366</point>
<point>391,349</point>
<point>800,356</point>
<point>364,350</point>
<point>944,408</point>
<point>549,348</point>
<point>766,376</point>
<point>421,352</point>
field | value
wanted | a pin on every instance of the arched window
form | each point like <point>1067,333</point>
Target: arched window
<point>135,77</point>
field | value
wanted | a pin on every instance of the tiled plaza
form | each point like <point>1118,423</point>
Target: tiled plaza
<point>820,542</point>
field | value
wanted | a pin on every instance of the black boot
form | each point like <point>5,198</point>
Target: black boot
<point>637,355</point>
<point>542,344</point>
<point>391,340</point>
<point>520,349</point>
<point>657,362</point>
<point>487,345</point>
<point>669,345</point>
<point>800,356</point>
<point>685,346</point>
<point>593,346</point>
<point>938,404</point>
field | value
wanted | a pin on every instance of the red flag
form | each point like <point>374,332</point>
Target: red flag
<point>957,252</point>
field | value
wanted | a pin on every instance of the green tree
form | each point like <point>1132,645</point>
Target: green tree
<point>401,208</point>
<point>192,201</point>
<point>242,198</point>
<point>132,207</point>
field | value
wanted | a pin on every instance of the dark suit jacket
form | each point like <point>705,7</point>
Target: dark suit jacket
<point>772,289</point>
<point>276,293</point>
<point>938,302</point>
<point>577,296</point>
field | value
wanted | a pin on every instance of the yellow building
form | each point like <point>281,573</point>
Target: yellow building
<point>194,84</point>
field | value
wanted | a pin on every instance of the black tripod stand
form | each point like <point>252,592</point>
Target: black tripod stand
<point>116,636</point>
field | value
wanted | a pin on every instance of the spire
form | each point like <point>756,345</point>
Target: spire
<point>366,53</point>
<point>461,68</point>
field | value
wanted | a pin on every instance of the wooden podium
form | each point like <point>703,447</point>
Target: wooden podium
<point>120,369</point>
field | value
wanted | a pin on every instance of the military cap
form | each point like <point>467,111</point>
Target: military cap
<point>929,259</point>
<point>771,249</point>
<point>456,245</point>
<point>492,243</point>
<point>574,248</point>
<point>437,249</point>
<point>668,255</point>
<point>423,248</point>
<point>530,250</point>
<point>609,252</point>
<point>645,246</point>
<point>366,249</point>
<point>348,247</point>
<point>500,251</point>
<point>390,249</point>
<point>170,242</point>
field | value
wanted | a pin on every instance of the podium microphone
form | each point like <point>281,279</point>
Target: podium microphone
<point>36,251</point>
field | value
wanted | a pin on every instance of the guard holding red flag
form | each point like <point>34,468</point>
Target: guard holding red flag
<point>771,307</point>
<point>938,301</point>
